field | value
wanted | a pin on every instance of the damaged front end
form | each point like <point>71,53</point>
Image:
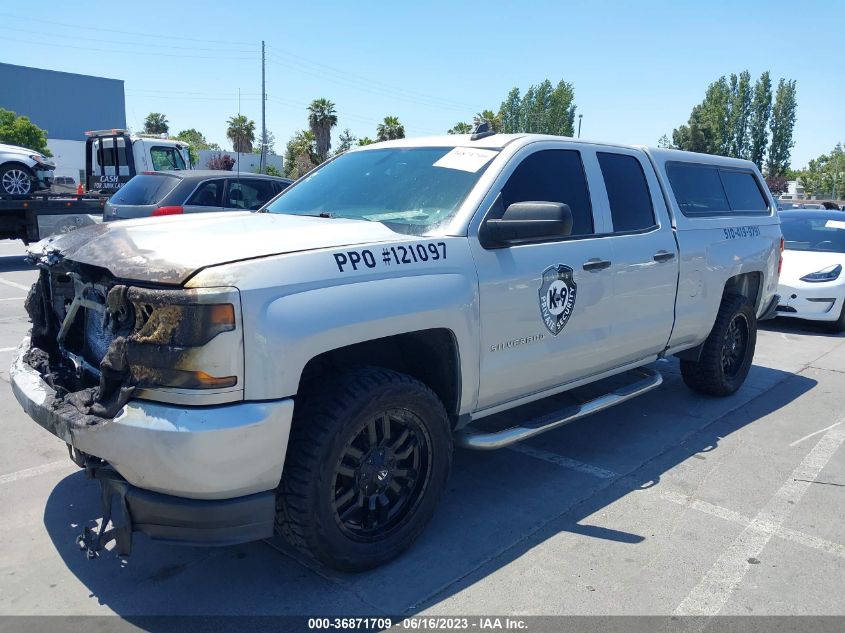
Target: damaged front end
<point>102,346</point>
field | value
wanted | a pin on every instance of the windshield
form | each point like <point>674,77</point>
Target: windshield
<point>411,190</point>
<point>814,234</point>
<point>166,158</point>
<point>145,189</point>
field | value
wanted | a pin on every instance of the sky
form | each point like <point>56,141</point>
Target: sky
<point>638,67</point>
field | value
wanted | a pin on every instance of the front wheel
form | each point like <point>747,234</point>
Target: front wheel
<point>366,464</point>
<point>728,351</point>
<point>16,180</point>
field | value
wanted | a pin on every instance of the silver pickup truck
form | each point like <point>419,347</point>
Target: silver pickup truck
<point>307,368</point>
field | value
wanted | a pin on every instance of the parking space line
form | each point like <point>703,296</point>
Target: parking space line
<point>8,349</point>
<point>26,473</point>
<point>807,540</point>
<point>807,437</point>
<point>13,284</point>
<point>711,594</point>
<point>13,299</point>
<point>565,462</point>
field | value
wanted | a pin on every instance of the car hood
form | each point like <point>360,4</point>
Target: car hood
<point>168,250</point>
<point>796,264</point>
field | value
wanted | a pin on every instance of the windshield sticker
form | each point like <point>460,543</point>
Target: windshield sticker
<point>737,232</point>
<point>557,297</point>
<point>468,159</point>
<point>391,256</point>
<point>834,224</point>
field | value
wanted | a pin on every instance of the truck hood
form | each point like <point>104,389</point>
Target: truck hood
<point>168,250</point>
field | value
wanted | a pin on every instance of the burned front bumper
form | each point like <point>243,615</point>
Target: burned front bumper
<point>176,461</point>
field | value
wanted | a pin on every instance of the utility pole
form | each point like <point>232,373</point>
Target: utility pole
<point>579,125</point>
<point>263,162</point>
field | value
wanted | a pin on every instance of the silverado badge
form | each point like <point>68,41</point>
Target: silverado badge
<point>557,297</point>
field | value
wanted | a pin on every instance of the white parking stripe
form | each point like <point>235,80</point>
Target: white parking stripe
<point>565,462</point>
<point>26,473</point>
<point>14,284</point>
<point>709,596</point>
<point>13,299</point>
<point>8,349</point>
<point>807,437</point>
<point>795,536</point>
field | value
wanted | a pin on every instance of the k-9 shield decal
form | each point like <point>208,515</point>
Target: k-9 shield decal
<point>557,297</point>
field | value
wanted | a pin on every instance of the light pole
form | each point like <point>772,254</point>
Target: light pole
<point>579,125</point>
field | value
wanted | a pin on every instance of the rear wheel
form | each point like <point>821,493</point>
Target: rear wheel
<point>16,180</point>
<point>728,351</point>
<point>367,461</point>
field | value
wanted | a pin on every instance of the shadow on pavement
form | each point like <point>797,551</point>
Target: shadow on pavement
<point>14,263</point>
<point>498,505</point>
<point>799,326</point>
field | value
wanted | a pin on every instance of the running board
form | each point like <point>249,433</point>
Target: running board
<point>479,440</point>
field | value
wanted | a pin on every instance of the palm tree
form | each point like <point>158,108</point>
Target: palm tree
<point>321,119</point>
<point>460,128</point>
<point>156,123</point>
<point>390,129</point>
<point>493,119</point>
<point>241,132</point>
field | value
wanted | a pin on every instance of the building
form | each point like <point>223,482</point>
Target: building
<point>66,105</point>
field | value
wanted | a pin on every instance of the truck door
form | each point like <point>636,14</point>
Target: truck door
<point>546,307</point>
<point>643,251</point>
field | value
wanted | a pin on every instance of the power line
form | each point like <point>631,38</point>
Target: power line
<point>146,52</point>
<point>111,30</point>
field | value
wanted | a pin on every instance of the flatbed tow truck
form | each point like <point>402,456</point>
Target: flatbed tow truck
<point>112,157</point>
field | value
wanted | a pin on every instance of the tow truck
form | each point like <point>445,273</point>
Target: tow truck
<point>112,157</point>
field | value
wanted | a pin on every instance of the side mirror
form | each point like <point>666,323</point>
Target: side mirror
<point>527,222</point>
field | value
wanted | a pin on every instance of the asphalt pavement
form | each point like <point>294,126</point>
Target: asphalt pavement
<point>671,504</point>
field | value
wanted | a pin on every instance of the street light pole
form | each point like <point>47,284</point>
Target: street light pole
<point>262,163</point>
<point>579,125</point>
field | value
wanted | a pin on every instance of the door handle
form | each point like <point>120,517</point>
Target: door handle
<point>596,264</point>
<point>663,256</point>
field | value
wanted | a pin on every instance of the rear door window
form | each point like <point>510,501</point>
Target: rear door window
<point>552,175</point>
<point>627,192</point>
<point>711,190</point>
<point>208,194</point>
<point>248,193</point>
<point>145,189</point>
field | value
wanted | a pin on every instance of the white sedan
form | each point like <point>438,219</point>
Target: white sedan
<point>812,285</point>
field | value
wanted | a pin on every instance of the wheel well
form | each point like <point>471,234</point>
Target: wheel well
<point>14,163</point>
<point>747,285</point>
<point>430,356</point>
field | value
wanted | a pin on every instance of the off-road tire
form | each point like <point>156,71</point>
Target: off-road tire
<point>708,375</point>
<point>5,169</point>
<point>327,419</point>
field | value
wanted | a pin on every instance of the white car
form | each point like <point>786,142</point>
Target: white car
<point>23,171</point>
<point>812,285</point>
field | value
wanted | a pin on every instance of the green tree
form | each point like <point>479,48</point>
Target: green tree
<point>491,118</point>
<point>300,154</point>
<point>270,170</point>
<point>510,112</point>
<point>19,130</point>
<point>460,128</point>
<point>241,131</point>
<point>825,175</point>
<point>665,142</point>
<point>321,119</point>
<point>761,109</point>
<point>196,141</point>
<point>156,123</point>
<point>560,119</point>
<point>345,141</point>
<point>390,129</point>
<point>365,141</point>
<point>781,125</point>
<point>271,144</point>
<point>739,114</point>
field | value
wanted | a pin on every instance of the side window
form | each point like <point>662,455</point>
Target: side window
<point>552,175</point>
<point>209,194</point>
<point>248,193</point>
<point>742,191</point>
<point>698,189</point>
<point>627,191</point>
<point>165,158</point>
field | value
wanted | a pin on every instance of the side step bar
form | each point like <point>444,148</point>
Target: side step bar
<point>471,438</point>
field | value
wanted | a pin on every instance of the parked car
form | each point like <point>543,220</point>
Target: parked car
<point>23,171</point>
<point>156,193</point>
<point>308,368</point>
<point>64,184</point>
<point>812,285</point>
